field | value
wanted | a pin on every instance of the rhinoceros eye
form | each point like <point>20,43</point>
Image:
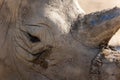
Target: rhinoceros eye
<point>29,32</point>
<point>32,38</point>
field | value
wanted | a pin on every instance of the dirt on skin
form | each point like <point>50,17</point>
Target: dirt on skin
<point>97,5</point>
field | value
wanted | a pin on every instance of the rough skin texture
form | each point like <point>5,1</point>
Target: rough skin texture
<point>55,40</point>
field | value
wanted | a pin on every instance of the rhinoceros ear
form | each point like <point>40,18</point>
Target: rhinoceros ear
<point>97,28</point>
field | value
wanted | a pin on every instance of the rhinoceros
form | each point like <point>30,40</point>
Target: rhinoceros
<point>56,40</point>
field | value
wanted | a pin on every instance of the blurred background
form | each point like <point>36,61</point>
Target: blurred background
<point>96,5</point>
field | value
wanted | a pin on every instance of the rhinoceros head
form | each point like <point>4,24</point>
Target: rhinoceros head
<point>51,39</point>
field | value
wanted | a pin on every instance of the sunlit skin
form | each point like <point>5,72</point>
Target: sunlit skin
<point>51,39</point>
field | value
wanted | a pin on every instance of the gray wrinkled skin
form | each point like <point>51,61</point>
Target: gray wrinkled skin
<point>53,40</point>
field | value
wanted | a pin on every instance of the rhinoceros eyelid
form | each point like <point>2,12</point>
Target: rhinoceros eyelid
<point>33,39</point>
<point>38,25</point>
<point>33,25</point>
<point>44,24</point>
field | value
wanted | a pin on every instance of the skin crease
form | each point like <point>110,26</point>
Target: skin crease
<point>69,59</point>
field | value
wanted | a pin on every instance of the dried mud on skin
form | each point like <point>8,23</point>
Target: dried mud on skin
<point>106,64</point>
<point>108,56</point>
<point>86,27</point>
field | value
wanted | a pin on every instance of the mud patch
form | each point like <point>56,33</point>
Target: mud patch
<point>41,57</point>
<point>105,64</point>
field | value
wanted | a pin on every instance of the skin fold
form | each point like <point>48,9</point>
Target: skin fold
<point>53,40</point>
